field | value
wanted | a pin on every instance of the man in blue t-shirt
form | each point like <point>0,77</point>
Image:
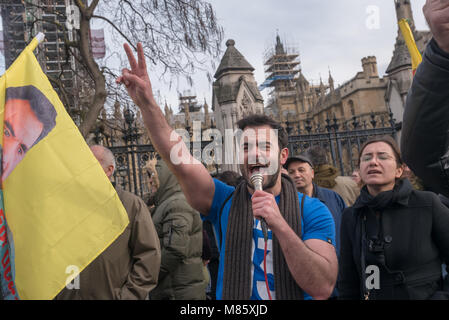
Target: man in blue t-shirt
<point>303,261</point>
<point>316,224</point>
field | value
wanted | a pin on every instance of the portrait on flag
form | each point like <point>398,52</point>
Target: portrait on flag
<point>58,209</point>
<point>29,117</point>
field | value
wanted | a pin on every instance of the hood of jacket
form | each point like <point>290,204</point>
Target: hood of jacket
<point>325,176</point>
<point>168,184</point>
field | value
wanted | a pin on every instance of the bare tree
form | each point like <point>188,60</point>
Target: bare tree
<point>179,35</point>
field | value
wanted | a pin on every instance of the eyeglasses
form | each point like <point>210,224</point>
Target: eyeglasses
<point>382,156</point>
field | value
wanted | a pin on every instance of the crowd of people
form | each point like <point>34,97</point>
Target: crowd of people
<point>309,233</point>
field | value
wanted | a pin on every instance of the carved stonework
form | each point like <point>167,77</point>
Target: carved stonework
<point>246,106</point>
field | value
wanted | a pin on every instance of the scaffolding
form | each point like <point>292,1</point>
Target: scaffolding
<point>188,99</point>
<point>13,17</point>
<point>22,20</point>
<point>283,66</point>
<point>282,72</point>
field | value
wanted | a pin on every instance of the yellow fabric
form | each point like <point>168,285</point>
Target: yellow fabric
<point>411,44</point>
<point>60,206</point>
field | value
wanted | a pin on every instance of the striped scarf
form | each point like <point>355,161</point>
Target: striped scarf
<point>238,259</point>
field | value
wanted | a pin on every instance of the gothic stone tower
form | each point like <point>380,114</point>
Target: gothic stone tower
<point>399,70</point>
<point>234,96</point>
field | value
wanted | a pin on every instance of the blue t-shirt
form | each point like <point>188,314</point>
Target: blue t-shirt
<point>316,223</point>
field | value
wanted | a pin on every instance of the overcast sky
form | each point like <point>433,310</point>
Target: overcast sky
<point>330,34</point>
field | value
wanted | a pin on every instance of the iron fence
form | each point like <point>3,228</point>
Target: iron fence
<point>342,143</point>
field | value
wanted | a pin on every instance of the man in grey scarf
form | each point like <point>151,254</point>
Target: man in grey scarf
<point>303,261</point>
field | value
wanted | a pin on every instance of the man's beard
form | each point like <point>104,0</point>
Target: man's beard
<point>269,181</point>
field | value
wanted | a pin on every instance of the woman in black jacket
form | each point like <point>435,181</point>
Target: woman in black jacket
<point>394,239</point>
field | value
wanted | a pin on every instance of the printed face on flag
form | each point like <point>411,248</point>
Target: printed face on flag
<point>52,181</point>
<point>21,129</point>
<point>28,115</point>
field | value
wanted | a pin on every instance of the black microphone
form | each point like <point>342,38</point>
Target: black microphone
<point>257,180</point>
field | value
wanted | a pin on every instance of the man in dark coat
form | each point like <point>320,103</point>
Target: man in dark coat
<point>128,269</point>
<point>300,169</point>
<point>424,140</point>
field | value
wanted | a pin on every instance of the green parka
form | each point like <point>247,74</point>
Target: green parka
<point>179,228</point>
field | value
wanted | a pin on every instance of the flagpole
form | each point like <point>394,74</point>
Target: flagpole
<point>38,39</point>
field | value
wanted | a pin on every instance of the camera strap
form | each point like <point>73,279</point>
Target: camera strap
<point>363,243</point>
<point>371,237</point>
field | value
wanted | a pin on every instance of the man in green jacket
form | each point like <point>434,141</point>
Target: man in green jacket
<point>180,233</point>
<point>128,269</point>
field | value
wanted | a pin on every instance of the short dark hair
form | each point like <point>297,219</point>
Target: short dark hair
<point>257,120</point>
<point>385,139</point>
<point>41,106</point>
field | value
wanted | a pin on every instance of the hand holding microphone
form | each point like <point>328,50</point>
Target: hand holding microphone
<point>257,180</point>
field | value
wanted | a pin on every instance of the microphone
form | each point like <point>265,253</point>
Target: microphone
<point>257,180</point>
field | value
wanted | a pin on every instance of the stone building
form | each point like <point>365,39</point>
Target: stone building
<point>304,102</point>
<point>234,96</point>
<point>366,95</point>
<point>295,101</point>
<point>190,111</point>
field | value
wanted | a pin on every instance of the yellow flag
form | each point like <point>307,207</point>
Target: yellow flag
<point>61,209</point>
<point>411,44</point>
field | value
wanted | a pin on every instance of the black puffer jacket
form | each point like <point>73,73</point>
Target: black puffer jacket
<point>413,230</point>
<point>424,140</point>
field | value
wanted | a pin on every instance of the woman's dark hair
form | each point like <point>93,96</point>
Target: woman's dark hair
<point>257,120</point>
<point>388,140</point>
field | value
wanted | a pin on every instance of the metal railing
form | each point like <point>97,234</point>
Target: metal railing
<point>342,142</point>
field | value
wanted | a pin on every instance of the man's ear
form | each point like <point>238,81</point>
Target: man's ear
<point>109,170</point>
<point>284,156</point>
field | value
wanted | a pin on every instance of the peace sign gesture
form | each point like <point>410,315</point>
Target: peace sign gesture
<point>136,80</point>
